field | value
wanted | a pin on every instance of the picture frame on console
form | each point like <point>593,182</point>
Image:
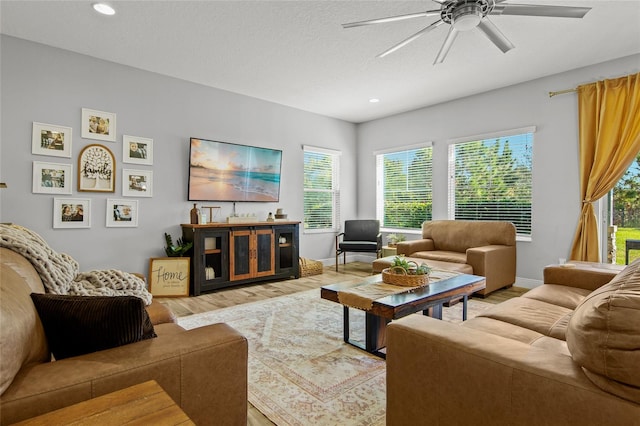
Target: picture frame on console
<point>122,213</point>
<point>52,178</point>
<point>137,150</point>
<point>100,125</point>
<point>71,213</point>
<point>96,169</point>
<point>51,139</point>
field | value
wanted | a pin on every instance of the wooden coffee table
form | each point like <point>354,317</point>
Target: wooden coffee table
<point>428,299</point>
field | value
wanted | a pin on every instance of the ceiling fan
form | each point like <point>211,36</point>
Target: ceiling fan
<point>465,15</point>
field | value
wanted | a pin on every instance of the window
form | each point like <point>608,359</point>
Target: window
<point>490,179</point>
<point>404,187</point>
<point>321,190</point>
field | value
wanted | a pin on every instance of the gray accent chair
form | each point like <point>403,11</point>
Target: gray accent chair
<point>362,236</point>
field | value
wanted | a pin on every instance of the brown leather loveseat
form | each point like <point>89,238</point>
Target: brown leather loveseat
<point>565,353</point>
<point>204,370</point>
<point>489,247</point>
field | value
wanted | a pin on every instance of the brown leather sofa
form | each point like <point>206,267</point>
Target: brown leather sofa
<point>564,353</point>
<point>489,247</point>
<point>204,370</point>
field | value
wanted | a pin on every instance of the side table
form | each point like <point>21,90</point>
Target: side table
<point>145,403</point>
<point>388,251</point>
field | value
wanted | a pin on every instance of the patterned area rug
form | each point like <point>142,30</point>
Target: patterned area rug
<point>300,370</point>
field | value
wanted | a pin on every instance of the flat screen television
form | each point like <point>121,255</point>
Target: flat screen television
<point>223,171</point>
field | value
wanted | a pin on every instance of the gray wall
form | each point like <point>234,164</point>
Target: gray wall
<point>44,84</point>
<point>48,85</point>
<point>556,192</point>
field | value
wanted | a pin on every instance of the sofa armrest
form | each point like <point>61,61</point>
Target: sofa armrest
<point>461,375</point>
<point>204,370</point>
<point>160,313</point>
<point>409,247</point>
<point>586,275</point>
<point>496,262</point>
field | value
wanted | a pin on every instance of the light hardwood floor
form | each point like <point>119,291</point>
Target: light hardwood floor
<point>184,306</point>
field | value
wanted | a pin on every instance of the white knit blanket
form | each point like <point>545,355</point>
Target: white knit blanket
<point>60,274</point>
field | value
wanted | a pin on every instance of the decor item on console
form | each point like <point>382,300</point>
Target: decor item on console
<point>489,247</point>
<point>223,171</point>
<point>195,214</point>
<point>60,272</point>
<point>280,214</point>
<point>565,352</point>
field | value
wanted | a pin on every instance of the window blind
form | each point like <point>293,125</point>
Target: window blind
<point>491,179</point>
<point>321,190</point>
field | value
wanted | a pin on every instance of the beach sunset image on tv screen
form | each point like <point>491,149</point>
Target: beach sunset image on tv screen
<point>222,171</point>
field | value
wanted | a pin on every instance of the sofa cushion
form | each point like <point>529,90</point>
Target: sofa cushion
<point>542,317</point>
<point>22,339</point>
<point>603,334</point>
<point>562,295</point>
<point>459,235</point>
<point>76,325</point>
<point>442,256</point>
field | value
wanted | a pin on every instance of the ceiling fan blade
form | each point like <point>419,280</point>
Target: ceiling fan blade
<point>451,36</point>
<point>392,19</point>
<point>539,10</point>
<point>493,33</point>
<point>410,39</point>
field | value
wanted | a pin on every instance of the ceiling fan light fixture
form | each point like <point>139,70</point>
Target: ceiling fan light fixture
<point>467,17</point>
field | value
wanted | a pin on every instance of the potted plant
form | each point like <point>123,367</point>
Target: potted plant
<point>402,266</point>
<point>395,238</point>
<point>178,250</point>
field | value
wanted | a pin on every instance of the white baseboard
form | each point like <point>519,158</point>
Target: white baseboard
<point>527,283</point>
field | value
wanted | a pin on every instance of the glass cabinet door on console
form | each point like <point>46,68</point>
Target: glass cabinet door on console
<point>252,253</point>
<point>209,260</point>
<point>287,251</point>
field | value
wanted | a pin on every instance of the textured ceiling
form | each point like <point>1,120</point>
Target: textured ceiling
<point>296,53</point>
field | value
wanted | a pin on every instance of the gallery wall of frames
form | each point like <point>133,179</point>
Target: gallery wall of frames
<point>95,171</point>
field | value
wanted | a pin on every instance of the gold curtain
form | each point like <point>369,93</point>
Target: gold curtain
<point>609,126</point>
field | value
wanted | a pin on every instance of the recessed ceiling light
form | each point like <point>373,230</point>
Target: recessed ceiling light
<point>105,9</point>
<point>374,100</point>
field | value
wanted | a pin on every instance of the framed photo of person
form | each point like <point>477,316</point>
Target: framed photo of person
<point>96,169</point>
<point>122,213</point>
<point>51,139</point>
<point>137,183</point>
<point>71,213</point>
<point>51,178</point>
<point>137,150</point>
<point>99,125</point>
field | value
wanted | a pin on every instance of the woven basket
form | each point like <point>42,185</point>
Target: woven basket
<point>309,267</point>
<point>403,279</point>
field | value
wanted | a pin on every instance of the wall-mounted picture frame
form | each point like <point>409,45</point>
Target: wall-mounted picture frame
<point>169,276</point>
<point>137,183</point>
<point>51,139</point>
<point>52,178</point>
<point>71,213</point>
<point>137,150</point>
<point>96,169</point>
<point>122,213</point>
<point>99,125</point>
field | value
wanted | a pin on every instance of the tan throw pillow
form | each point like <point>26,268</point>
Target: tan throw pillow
<point>604,334</point>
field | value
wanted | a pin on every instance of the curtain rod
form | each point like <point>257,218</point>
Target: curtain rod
<point>562,92</point>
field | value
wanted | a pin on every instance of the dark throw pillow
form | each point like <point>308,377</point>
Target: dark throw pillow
<point>77,325</point>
